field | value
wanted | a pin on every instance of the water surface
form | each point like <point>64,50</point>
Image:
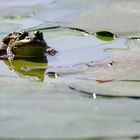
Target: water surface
<point>87,98</point>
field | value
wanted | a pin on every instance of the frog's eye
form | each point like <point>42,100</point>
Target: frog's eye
<point>22,35</point>
<point>10,34</point>
<point>38,34</point>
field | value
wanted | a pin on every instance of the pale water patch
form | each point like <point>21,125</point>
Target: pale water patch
<point>74,50</point>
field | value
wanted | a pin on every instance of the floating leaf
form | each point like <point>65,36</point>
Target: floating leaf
<point>41,27</point>
<point>57,28</point>
<point>105,35</point>
<point>78,29</point>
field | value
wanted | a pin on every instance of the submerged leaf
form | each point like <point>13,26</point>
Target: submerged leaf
<point>105,35</point>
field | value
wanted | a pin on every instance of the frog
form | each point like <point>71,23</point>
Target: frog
<point>24,45</point>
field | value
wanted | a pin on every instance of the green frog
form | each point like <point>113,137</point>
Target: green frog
<point>24,45</point>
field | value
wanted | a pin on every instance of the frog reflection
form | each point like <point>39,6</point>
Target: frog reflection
<point>31,68</point>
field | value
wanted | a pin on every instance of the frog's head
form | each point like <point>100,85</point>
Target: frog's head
<point>26,45</point>
<point>23,36</point>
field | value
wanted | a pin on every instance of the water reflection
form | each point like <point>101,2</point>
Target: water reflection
<point>31,68</point>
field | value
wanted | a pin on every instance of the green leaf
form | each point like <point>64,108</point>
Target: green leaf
<point>105,35</point>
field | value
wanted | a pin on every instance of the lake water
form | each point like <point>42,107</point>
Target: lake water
<point>90,89</point>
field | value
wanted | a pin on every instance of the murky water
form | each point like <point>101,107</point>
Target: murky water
<point>89,89</point>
